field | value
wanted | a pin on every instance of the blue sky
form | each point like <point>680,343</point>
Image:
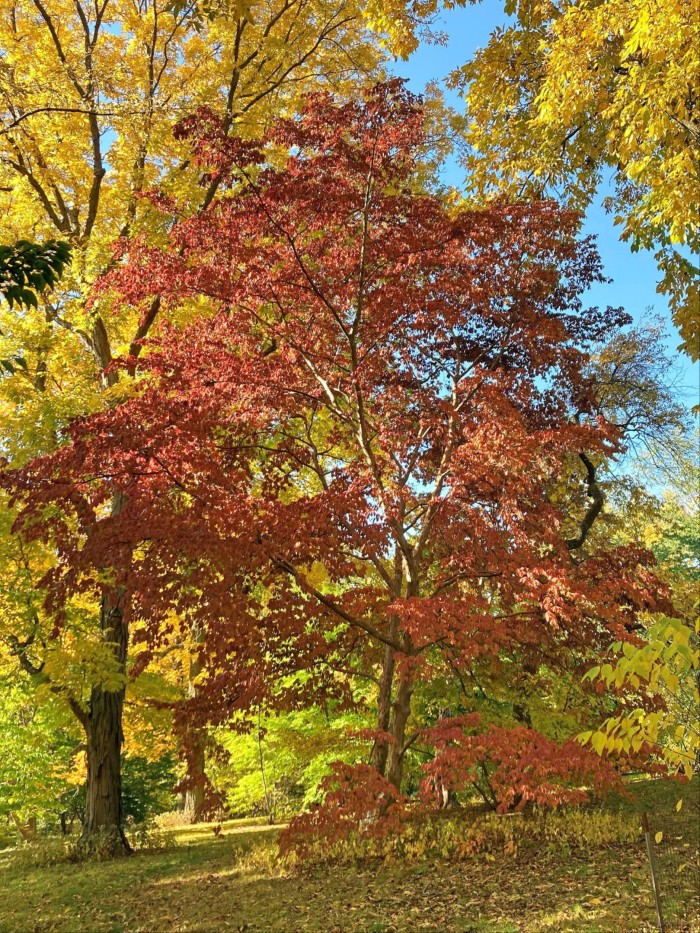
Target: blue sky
<point>634,274</point>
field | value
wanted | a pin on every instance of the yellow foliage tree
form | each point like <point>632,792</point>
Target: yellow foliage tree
<point>89,94</point>
<point>574,89</point>
<point>667,665</point>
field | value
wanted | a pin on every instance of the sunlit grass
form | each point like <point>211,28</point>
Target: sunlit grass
<point>200,882</point>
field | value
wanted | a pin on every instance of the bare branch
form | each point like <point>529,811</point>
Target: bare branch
<point>598,500</point>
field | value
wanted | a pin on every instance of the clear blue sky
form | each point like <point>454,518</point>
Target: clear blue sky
<point>634,274</point>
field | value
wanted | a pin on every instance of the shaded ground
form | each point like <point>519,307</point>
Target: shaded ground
<point>205,883</point>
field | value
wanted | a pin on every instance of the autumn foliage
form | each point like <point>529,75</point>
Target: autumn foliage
<point>348,465</point>
<point>357,801</point>
<point>512,768</point>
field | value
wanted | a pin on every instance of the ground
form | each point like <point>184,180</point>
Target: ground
<point>203,882</point>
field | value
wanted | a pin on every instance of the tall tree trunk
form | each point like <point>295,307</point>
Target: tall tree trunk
<point>400,713</point>
<point>381,746</point>
<point>392,716</point>
<point>103,727</point>
<point>194,753</point>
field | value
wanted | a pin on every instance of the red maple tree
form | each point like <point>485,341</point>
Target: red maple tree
<point>347,462</point>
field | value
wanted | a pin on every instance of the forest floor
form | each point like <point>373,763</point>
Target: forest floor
<point>201,882</point>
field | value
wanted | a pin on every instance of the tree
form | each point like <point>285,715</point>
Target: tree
<point>348,463</point>
<point>85,129</point>
<point>276,767</point>
<point>666,665</point>
<point>636,389</point>
<point>662,673</point>
<point>567,92</point>
<point>38,746</point>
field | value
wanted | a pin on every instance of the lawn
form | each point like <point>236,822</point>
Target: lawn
<point>201,882</point>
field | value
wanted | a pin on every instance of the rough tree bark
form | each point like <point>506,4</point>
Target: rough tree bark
<point>193,796</point>
<point>103,728</point>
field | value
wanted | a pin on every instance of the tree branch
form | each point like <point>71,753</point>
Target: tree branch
<point>19,650</point>
<point>329,604</point>
<point>598,500</point>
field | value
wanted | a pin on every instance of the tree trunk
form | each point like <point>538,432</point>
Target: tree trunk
<point>392,717</point>
<point>193,796</point>
<point>400,712</point>
<point>192,799</point>
<point>381,747</point>
<point>103,727</point>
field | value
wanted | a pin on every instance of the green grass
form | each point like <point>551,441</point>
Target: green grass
<point>203,883</point>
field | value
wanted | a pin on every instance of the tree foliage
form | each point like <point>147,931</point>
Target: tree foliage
<point>666,665</point>
<point>28,268</point>
<point>85,130</point>
<point>661,674</point>
<point>39,750</point>
<point>275,765</point>
<point>353,455</point>
<point>568,92</point>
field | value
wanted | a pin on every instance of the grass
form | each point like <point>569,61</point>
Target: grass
<point>203,883</point>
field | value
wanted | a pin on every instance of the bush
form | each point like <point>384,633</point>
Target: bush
<point>461,836</point>
<point>147,837</point>
<point>100,848</point>
<point>41,854</point>
<point>173,819</point>
<point>147,790</point>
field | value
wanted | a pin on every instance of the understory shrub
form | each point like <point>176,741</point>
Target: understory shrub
<point>143,837</point>
<point>460,835</point>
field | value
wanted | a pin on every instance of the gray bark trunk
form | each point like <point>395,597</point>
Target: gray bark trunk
<point>400,713</point>
<point>193,796</point>
<point>192,799</point>
<point>381,747</point>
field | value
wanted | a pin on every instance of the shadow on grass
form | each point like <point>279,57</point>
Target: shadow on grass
<point>231,882</point>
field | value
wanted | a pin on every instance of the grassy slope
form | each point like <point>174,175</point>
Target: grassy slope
<point>230,883</point>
